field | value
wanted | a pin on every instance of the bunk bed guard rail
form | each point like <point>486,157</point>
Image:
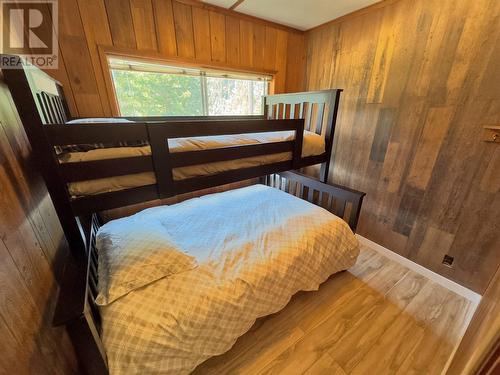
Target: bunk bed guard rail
<point>162,161</point>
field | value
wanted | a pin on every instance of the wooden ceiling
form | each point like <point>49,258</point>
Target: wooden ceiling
<point>299,14</point>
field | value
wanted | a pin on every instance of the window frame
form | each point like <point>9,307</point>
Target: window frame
<point>106,52</point>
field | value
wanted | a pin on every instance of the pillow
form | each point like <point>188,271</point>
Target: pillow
<point>97,120</point>
<point>93,146</point>
<point>134,254</point>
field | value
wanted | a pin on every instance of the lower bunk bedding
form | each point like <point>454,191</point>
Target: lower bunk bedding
<point>179,284</point>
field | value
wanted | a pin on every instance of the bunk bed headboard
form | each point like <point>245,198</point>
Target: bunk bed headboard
<point>319,110</point>
<point>53,106</point>
<point>48,95</point>
<point>34,92</point>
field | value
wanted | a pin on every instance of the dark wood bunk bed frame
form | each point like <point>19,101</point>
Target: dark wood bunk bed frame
<point>44,114</point>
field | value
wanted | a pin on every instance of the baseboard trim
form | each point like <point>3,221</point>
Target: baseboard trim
<point>441,280</point>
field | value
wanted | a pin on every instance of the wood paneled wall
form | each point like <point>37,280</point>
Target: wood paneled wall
<point>183,29</point>
<point>421,78</point>
<point>31,245</point>
<point>482,337</point>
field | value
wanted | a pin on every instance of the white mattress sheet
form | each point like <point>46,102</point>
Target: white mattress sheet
<point>313,144</point>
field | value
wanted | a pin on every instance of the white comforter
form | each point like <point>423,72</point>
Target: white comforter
<point>255,248</point>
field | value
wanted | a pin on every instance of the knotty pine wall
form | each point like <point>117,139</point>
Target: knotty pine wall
<point>31,245</point>
<point>421,78</point>
<point>184,29</point>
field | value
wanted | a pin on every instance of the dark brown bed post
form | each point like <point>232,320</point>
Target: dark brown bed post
<point>44,155</point>
<point>92,359</point>
<point>76,308</point>
<point>330,136</point>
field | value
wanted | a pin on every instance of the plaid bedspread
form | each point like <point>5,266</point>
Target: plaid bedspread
<point>255,248</point>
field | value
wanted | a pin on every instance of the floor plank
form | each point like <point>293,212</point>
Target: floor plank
<point>378,317</point>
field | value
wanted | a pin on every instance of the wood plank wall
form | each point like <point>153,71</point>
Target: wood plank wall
<point>31,245</point>
<point>421,79</point>
<point>184,29</point>
<point>482,337</point>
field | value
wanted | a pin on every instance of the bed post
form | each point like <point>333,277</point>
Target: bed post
<point>333,106</point>
<point>43,153</point>
<point>85,340</point>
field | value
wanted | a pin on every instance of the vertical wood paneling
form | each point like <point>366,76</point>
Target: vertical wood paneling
<point>79,67</point>
<point>165,28</point>
<point>246,43</point>
<point>270,48</point>
<point>259,43</point>
<point>121,23</point>
<point>481,338</point>
<point>183,21</point>
<point>201,29</point>
<point>233,40</point>
<point>144,24</point>
<point>382,134</point>
<point>281,53</point>
<point>95,24</point>
<point>490,182</point>
<point>428,146</point>
<point>172,28</point>
<point>218,36</point>
<point>383,56</point>
<point>295,63</point>
<point>409,129</point>
<point>30,242</point>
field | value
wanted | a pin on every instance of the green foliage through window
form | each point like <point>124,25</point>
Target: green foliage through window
<point>157,94</point>
<point>162,94</point>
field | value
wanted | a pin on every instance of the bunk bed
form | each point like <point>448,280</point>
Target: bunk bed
<point>172,155</point>
<point>292,124</point>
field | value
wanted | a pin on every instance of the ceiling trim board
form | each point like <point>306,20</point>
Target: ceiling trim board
<point>234,13</point>
<point>238,2</point>
<point>354,14</point>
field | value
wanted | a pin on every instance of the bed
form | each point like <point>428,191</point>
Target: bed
<point>266,242</point>
<point>254,248</point>
<point>243,263</point>
<point>290,125</point>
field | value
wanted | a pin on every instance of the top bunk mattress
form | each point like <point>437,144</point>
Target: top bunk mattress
<point>313,144</point>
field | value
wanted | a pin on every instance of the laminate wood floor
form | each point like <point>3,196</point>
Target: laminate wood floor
<point>379,317</point>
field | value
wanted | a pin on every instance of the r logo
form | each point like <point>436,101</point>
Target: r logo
<point>28,30</point>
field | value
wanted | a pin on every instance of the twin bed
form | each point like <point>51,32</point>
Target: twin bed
<point>165,289</point>
<point>243,263</point>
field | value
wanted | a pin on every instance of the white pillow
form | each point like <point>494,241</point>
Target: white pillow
<point>133,254</point>
<point>97,120</point>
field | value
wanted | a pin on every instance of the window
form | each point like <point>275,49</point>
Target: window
<point>151,89</point>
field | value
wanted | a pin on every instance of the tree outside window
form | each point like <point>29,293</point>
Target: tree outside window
<point>171,91</point>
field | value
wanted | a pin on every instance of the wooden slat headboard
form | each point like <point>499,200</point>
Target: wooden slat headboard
<point>53,109</point>
<point>318,109</point>
<point>48,95</point>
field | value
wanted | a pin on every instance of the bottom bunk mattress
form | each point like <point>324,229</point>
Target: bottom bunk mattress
<point>313,145</point>
<point>179,284</point>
